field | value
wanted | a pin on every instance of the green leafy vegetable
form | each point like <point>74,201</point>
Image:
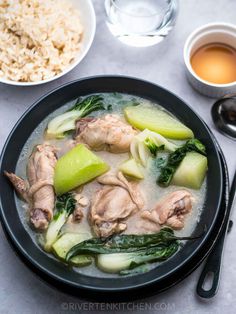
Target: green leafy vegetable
<point>60,125</point>
<point>64,206</point>
<point>195,145</point>
<point>119,262</point>
<point>176,157</point>
<point>128,251</point>
<point>152,146</point>
<point>88,105</point>
<point>120,252</point>
<point>143,268</point>
<point>122,243</point>
<point>65,203</point>
<point>146,143</point>
<point>160,162</point>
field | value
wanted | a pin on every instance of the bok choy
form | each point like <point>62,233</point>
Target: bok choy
<point>122,252</point>
<point>114,263</point>
<point>148,143</point>
<point>60,125</point>
<point>64,206</point>
<point>67,241</point>
<point>123,243</point>
<point>175,158</point>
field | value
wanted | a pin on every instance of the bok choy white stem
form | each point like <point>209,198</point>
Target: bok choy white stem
<point>65,205</point>
<point>65,122</point>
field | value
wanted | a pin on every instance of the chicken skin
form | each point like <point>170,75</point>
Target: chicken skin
<point>107,133</point>
<point>171,210</point>
<point>38,192</point>
<point>113,203</point>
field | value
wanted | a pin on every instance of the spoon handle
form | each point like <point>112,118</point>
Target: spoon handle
<point>213,264</point>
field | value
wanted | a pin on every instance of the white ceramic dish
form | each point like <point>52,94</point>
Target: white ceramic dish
<point>88,20</point>
<point>224,33</point>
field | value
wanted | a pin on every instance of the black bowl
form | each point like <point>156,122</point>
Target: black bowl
<point>124,287</point>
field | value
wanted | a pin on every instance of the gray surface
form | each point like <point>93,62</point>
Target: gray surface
<point>20,290</point>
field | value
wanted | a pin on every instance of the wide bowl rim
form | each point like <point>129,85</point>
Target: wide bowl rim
<point>62,279</point>
<point>71,66</point>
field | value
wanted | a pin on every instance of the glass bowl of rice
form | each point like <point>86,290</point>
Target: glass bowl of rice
<point>42,40</point>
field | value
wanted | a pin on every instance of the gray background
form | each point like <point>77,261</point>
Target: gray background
<point>20,290</point>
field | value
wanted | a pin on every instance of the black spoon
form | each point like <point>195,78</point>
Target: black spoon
<point>224,117</point>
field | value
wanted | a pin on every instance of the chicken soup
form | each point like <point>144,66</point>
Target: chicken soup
<point>111,184</point>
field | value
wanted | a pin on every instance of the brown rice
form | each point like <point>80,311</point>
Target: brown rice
<point>38,38</point>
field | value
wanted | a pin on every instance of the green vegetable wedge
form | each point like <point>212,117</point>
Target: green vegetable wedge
<point>191,172</point>
<point>77,167</point>
<point>132,168</point>
<point>154,119</point>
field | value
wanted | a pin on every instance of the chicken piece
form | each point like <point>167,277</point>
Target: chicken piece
<point>20,185</point>
<point>40,169</point>
<point>112,204</point>
<point>107,133</point>
<point>171,210</point>
<point>109,206</point>
<point>138,225</point>
<point>39,192</point>
<point>81,124</point>
<point>120,180</point>
<point>82,202</point>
